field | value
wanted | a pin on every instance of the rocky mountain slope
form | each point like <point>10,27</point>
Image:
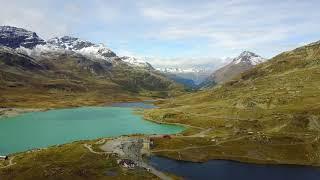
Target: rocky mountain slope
<point>15,37</point>
<point>268,114</point>
<point>246,60</point>
<point>68,71</point>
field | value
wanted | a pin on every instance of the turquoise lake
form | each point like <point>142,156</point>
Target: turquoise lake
<point>43,129</point>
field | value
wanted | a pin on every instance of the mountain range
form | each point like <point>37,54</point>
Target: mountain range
<point>208,75</point>
<point>70,68</point>
<point>97,58</point>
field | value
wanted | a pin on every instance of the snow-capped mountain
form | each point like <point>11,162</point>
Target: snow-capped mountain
<point>136,62</point>
<point>81,46</point>
<point>245,61</point>
<point>17,37</point>
<point>29,43</point>
<point>248,58</point>
<point>70,59</point>
<point>71,45</point>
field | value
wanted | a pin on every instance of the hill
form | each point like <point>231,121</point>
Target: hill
<point>269,114</point>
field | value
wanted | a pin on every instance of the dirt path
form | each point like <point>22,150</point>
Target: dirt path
<point>178,124</point>
<point>11,163</point>
<point>211,116</point>
<point>200,134</point>
<point>92,151</point>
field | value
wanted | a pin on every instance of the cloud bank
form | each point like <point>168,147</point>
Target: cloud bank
<point>174,32</point>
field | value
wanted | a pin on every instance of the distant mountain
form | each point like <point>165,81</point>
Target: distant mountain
<point>136,62</point>
<point>187,83</point>
<point>71,69</point>
<point>196,74</point>
<point>245,61</point>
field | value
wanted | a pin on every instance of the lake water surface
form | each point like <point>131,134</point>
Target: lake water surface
<point>231,170</point>
<point>43,129</point>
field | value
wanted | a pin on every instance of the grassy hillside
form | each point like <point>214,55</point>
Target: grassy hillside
<point>268,114</point>
<point>73,80</point>
<point>70,161</point>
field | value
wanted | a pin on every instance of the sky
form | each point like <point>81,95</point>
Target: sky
<point>177,31</point>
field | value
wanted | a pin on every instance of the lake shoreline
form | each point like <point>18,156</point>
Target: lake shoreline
<point>10,112</point>
<point>14,111</point>
<point>84,123</point>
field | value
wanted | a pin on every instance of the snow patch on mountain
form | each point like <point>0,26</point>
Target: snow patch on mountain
<point>249,58</point>
<point>70,45</point>
<point>81,46</point>
<point>136,62</point>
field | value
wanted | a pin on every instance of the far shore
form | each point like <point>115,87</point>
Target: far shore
<point>10,112</point>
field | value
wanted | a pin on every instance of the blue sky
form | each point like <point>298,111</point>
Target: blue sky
<point>173,29</point>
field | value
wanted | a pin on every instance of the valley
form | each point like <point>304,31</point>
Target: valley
<point>80,113</point>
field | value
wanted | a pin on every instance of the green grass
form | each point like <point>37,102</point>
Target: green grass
<point>279,98</point>
<point>70,161</point>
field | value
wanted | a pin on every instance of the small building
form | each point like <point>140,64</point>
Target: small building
<point>126,163</point>
<point>4,157</point>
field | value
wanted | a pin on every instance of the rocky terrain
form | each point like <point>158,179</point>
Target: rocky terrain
<point>17,37</point>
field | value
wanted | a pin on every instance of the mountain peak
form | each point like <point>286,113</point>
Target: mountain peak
<point>248,58</point>
<point>70,43</point>
<point>81,46</point>
<point>14,37</point>
<point>247,53</point>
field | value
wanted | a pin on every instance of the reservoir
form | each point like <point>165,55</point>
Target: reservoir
<point>53,127</point>
<point>230,170</point>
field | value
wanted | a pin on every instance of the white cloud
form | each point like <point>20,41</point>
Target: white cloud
<point>203,28</point>
<point>235,25</point>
